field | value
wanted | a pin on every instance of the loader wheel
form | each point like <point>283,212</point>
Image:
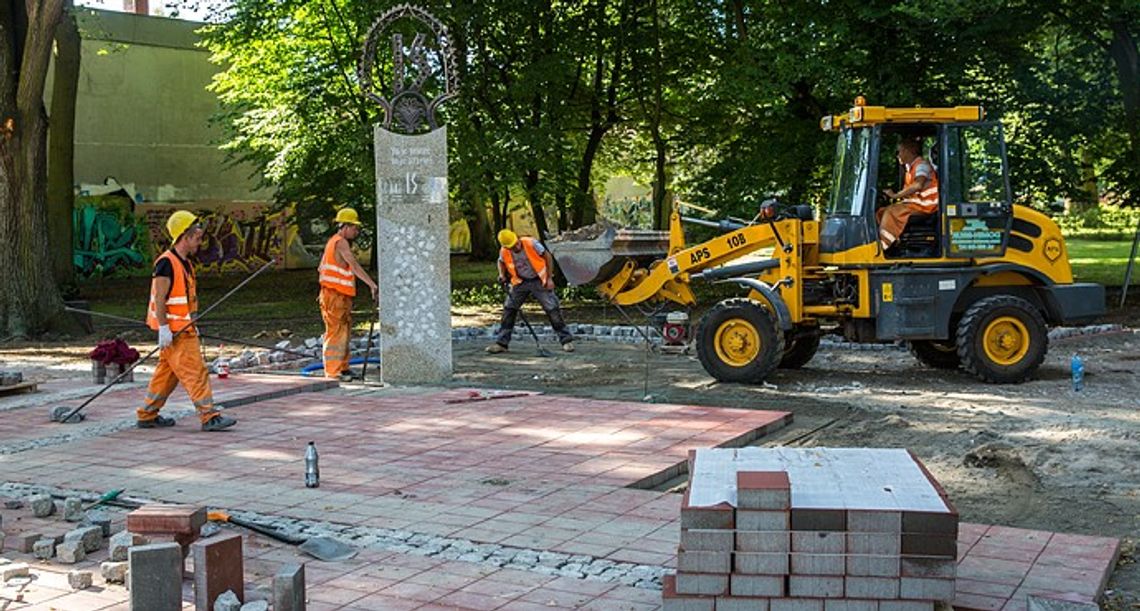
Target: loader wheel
<point>800,345</point>
<point>935,354</point>
<point>738,341</point>
<point>1002,339</point>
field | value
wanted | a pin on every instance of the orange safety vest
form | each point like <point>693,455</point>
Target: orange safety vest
<point>926,199</point>
<point>181,302</point>
<point>536,261</point>
<point>332,275</point>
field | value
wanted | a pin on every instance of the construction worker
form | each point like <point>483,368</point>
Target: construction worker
<point>173,306</point>
<point>919,194</point>
<point>529,267</point>
<point>338,273</point>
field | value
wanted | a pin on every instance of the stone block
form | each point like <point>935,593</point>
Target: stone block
<point>930,523</point>
<point>672,600</point>
<point>166,519</point>
<point>761,563</point>
<point>79,580</point>
<point>44,549</point>
<point>100,519</point>
<point>819,542</point>
<point>945,546</point>
<point>704,562</point>
<point>227,601</point>
<point>13,504</point>
<point>874,521</point>
<point>72,509</point>
<point>943,568</point>
<point>741,603</point>
<point>720,516</point>
<point>114,572</point>
<point>847,604</point>
<point>926,589</point>
<point>257,605</point>
<point>818,564</point>
<point>289,588</point>
<point>707,540</point>
<point>122,542</point>
<point>768,490</point>
<point>795,604</point>
<point>874,544</point>
<point>23,542</point>
<point>880,588</point>
<point>757,585</point>
<point>42,505</point>
<point>218,568</point>
<point>91,536</point>
<point>819,519</point>
<point>759,520</point>
<point>14,570</point>
<point>906,605</point>
<point>70,552</point>
<point>757,541</point>
<point>707,584</point>
<point>873,566</point>
<point>155,577</point>
<point>815,586</point>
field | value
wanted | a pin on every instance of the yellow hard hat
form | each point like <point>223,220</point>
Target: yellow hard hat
<point>179,222</point>
<point>508,238</point>
<point>347,215</point>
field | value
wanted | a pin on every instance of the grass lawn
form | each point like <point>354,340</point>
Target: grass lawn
<point>1102,262</point>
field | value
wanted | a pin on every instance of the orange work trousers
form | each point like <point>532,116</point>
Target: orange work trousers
<point>181,361</point>
<point>892,221</point>
<point>336,310</point>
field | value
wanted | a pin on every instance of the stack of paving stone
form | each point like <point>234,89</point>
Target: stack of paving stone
<point>816,529</point>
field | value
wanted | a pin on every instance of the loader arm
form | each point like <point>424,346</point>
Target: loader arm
<point>669,278</point>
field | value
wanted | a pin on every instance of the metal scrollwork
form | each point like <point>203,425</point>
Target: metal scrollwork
<point>408,108</point>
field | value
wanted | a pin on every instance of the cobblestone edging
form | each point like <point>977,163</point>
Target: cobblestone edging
<point>577,566</point>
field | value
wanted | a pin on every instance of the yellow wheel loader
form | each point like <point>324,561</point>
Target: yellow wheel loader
<point>975,285</point>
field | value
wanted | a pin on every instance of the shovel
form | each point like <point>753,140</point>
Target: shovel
<point>542,352</point>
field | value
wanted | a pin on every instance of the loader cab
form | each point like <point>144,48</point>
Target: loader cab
<point>974,209</point>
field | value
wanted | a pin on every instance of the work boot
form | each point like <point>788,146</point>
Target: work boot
<point>218,423</point>
<point>568,347</point>
<point>496,348</point>
<point>159,421</point>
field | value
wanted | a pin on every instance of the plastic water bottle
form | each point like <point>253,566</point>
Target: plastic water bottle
<point>312,468</point>
<point>1078,368</point>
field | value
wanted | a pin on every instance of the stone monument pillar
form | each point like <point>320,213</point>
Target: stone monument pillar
<point>412,223</point>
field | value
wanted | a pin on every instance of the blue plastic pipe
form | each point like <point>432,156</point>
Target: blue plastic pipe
<point>356,360</point>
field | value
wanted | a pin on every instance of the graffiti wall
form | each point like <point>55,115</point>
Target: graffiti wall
<point>114,236</point>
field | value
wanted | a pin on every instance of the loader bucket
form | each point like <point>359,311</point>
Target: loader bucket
<point>594,260</point>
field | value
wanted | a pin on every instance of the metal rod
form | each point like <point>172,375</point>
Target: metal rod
<point>204,335</point>
<point>1131,262</point>
<point>124,373</point>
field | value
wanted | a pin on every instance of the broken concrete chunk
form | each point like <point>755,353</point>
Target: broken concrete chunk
<point>228,601</point>
<point>13,570</point>
<point>13,504</point>
<point>121,544</point>
<point>257,605</point>
<point>114,572</point>
<point>42,505</point>
<point>70,552</point>
<point>100,519</point>
<point>79,580</point>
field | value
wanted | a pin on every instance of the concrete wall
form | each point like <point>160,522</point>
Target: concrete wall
<point>143,111</point>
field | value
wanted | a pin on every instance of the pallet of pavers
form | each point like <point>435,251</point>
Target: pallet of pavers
<point>813,529</point>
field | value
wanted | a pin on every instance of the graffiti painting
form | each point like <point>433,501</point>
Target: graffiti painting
<point>108,239</point>
<point>240,237</point>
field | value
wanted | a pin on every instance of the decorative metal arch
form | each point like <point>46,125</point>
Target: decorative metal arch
<point>409,107</point>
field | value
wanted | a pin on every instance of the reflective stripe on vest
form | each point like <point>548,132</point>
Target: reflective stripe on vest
<point>181,301</point>
<point>537,262</point>
<point>926,199</point>
<point>332,275</point>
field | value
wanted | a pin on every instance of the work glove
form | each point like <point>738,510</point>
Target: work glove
<point>165,337</point>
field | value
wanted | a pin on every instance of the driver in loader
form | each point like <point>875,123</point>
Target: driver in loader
<point>529,266</point>
<point>919,194</point>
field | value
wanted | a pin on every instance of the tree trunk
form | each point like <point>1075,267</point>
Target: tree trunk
<point>482,238</point>
<point>1127,59</point>
<point>585,208</point>
<point>29,299</point>
<point>530,182</point>
<point>61,153</point>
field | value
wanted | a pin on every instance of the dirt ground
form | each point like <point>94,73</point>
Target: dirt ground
<point>1036,455</point>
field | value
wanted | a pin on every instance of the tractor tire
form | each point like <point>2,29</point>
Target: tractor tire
<point>935,354</point>
<point>800,346</point>
<point>1002,339</point>
<point>738,340</point>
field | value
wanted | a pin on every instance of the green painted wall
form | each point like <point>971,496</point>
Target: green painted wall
<point>143,111</point>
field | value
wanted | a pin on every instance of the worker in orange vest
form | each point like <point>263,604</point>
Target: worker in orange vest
<point>919,194</point>
<point>173,306</point>
<point>529,267</point>
<point>338,273</point>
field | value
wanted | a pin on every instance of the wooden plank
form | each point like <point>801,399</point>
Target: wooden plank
<point>18,388</point>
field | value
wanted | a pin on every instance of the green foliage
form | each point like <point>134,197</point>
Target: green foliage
<point>1105,222</point>
<point>1101,261</point>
